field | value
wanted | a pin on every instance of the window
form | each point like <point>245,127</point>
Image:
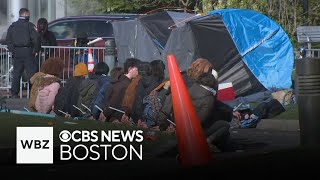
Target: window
<point>94,28</point>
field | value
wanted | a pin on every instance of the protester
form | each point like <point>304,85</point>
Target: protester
<point>46,84</point>
<point>153,77</point>
<point>102,87</point>
<point>69,94</point>
<point>47,37</point>
<point>90,87</point>
<point>118,86</point>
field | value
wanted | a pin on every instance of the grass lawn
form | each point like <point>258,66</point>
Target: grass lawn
<point>291,113</point>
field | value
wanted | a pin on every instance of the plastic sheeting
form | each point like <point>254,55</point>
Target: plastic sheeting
<point>146,37</point>
<point>263,44</point>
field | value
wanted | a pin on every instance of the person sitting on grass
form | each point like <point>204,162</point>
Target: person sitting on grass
<point>45,86</point>
<point>69,94</point>
<point>118,86</point>
<point>102,87</point>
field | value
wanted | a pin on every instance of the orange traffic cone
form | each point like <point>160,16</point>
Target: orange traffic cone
<point>90,61</point>
<point>192,144</point>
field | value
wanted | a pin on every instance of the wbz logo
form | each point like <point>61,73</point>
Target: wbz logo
<point>34,145</point>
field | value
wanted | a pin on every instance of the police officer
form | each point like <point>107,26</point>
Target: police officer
<point>23,41</point>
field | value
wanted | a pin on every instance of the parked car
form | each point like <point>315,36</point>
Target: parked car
<point>66,29</point>
<point>96,26</point>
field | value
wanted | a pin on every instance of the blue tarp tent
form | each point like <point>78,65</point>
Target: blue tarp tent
<point>246,48</point>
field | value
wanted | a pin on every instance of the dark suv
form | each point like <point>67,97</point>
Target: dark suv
<point>66,29</point>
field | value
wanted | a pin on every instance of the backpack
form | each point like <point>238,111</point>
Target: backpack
<point>152,106</point>
<point>87,93</point>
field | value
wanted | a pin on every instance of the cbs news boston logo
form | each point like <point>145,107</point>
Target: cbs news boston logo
<point>34,145</point>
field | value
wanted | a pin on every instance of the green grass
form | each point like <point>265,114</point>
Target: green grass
<point>290,114</point>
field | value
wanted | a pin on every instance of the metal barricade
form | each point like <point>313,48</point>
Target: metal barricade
<point>70,55</point>
<point>5,68</point>
<point>314,53</point>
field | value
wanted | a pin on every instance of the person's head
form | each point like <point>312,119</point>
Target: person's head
<point>53,66</point>
<point>82,39</point>
<point>42,25</point>
<point>116,71</point>
<point>199,67</point>
<point>101,68</point>
<point>130,67</point>
<point>207,79</point>
<point>24,13</point>
<point>80,70</point>
<point>157,68</point>
<point>144,69</point>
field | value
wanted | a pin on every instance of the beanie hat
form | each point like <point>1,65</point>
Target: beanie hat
<point>80,70</point>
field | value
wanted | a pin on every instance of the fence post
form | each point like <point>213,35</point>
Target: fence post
<point>110,58</point>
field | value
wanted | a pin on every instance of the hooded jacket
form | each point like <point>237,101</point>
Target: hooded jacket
<point>203,103</point>
<point>48,87</point>
<point>38,81</point>
<point>115,94</point>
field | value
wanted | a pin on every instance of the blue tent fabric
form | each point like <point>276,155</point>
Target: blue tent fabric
<point>264,46</point>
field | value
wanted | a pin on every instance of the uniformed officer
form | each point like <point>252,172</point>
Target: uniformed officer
<point>23,41</point>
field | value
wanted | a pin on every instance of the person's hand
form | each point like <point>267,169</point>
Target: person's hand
<point>155,128</point>
<point>166,85</point>
<point>142,124</point>
<point>171,129</point>
<point>116,121</point>
<point>236,115</point>
<point>102,117</point>
<point>125,120</point>
<point>91,118</point>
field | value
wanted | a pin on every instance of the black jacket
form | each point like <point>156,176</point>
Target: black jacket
<point>68,96</point>
<point>23,34</point>
<point>115,94</point>
<point>48,38</point>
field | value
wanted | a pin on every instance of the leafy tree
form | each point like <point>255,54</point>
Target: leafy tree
<point>84,7</point>
<point>287,13</point>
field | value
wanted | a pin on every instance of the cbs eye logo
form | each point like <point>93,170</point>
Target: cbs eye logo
<point>65,136</point>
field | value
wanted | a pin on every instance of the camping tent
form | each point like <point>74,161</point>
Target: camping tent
<point>246,48</point>
<point>146,37</point>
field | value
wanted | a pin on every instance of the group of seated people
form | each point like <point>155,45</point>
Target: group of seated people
<point>131,97</point>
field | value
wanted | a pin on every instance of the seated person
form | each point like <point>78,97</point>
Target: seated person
<point>45,86</point>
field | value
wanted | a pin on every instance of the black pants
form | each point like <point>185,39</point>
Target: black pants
<point>23,59</point>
